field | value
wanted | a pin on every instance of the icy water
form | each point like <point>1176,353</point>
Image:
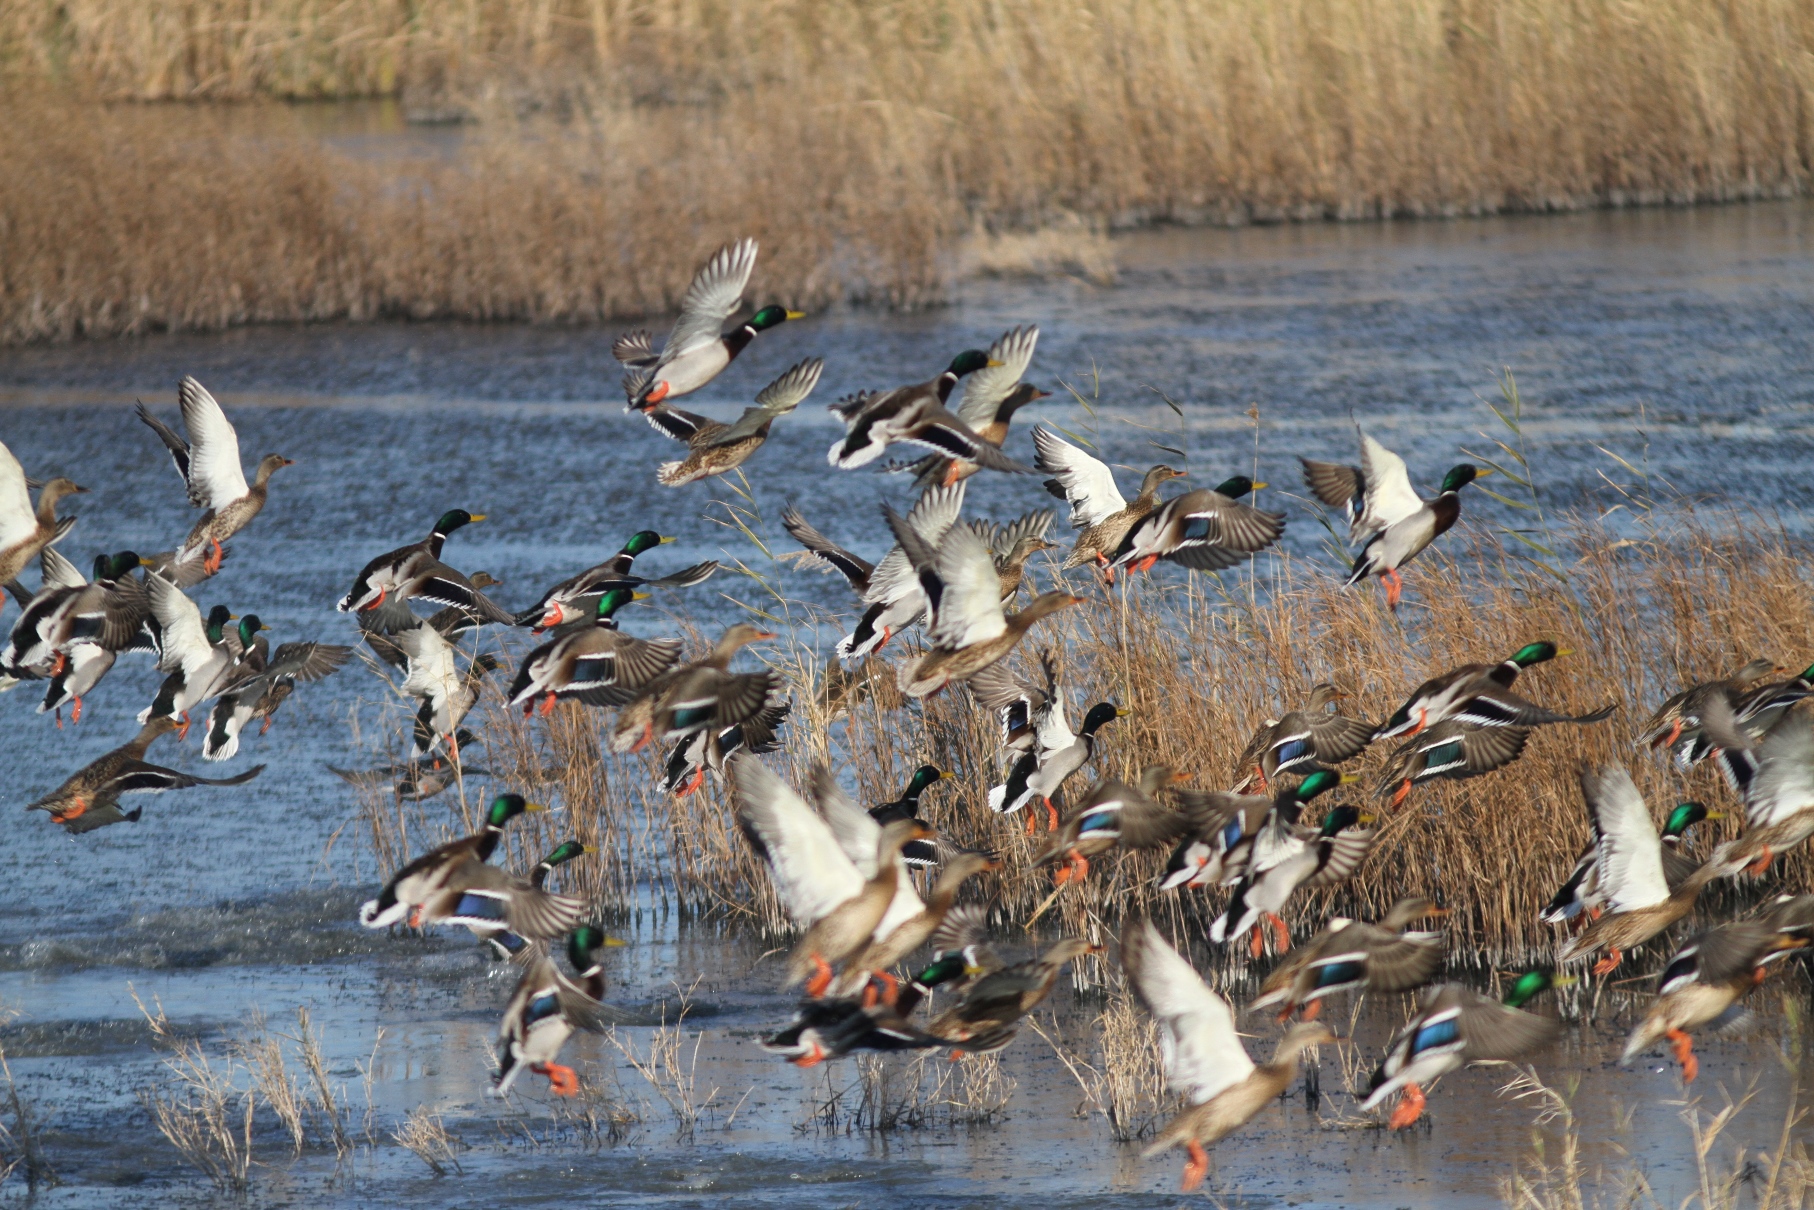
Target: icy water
<point>1681,342</point>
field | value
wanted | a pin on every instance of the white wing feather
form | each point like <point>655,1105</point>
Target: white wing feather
<point>1088,483</point>
<point>185,636</point>
<point>1784,784</point>
<point>811,873</point>
<point>714,296</point>
<point>1203,1055</point>
<point>934,513</point>
<point>216,478</point>
<point>986,388</point>
<point>17,521</point>
<point>856,831</point>
<point>969,610</point>
<point>432,672</point>
<point>60,572</point>
<point>1631,856</point>
<point>1390,498</point>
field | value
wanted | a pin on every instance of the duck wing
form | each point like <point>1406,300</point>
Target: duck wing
<point>680,425</point>
<point>811,872</point>
<point>1203,1056</point>
<point>1494,1032</point>
<point>852,567</point>
<point>1389,496</point>
<point>962,587</point>
<point>1084,482</point>
<point>776,399</point>
<point>987,388</point>
<point>713,297</point>
<point>18,523</point>
<point>1631,862</point>
<point>635,348</point>
<point>1783,784</point>
<point>216,478</point>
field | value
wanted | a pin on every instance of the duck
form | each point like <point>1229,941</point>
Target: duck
<point>1451,749</point>
<point>506,944</point>
<point>546,1008</point>
<point>416,571</point>
<point>1325,856</point>
<point>110,619</point>
<point>992,396</point>
<point>1205,530</point>
<point>960,954</point>
<point>1114,815</point>
<point>258,694</point>
<point>1761,708</point>
<point>1480,695</point>
<point>1455,1026</point>
<point>967,630</point>
<point>832,1027</point>
<point>1012,543</point>
<point>696,754</point>
<point>24,530</point>
<point>1099,512</point>
<point>1304,738</point>
<point>916,414</point>
<point>445,694</point>
<point>46,616</point>
<point>1382,508</point>
<point>208,463</point>
<point>1204,1058</point>
<point>1705,983</point>
<point>453,884</point>
<point>90,797</point>
<point>700,696</point>
<point>1639,902</point>
<point>1033,726</point>
<point>1680,722</point>
<point>989,1015</point>
<point>199,655</point>
<point>714,448</point>
<point>1582,893</point>
<point>597,664</point>
<point>698,349</point>
<point>416,780</point>
<point>576,598</point>
<point>836,870</point>
<point>885,950</point>
<point>1353,955</point>
<point>1778,789</point>
<point>1224,833</point>
<point>919,853</point>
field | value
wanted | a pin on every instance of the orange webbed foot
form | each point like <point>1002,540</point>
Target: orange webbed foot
<point>812,1059</point>
<point>1197,1167</point>
<point>1683,1046</point>
<point>547,707</point>
<point>182,732</point>
<point>1410,1107</point>
<point>1280,934</point>
<point>1256,942</point>
<point>1610,963</point>
<point>563,1081</point>
<point>1051,815</point>
<point>1762,863</point>
<point>821,980</point>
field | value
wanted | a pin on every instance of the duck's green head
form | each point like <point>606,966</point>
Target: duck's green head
<point>1460,476</point>
<point>583,942</point>
<point>1537,653</point>
<point>1532,982</point>
<point>1686,815</point>
<point>506,807</point>
<point>1100,713</point>
<point>926,776</point>
<point>1321,781</point>
<point>249,626</point>
<point>644,539</point>
<point>1237,486</point>
<point>1343,818</point>
<point>218,617</point>
<point>948,966</point>
<point>773,316</point>
<point>616,598</point>
<point>566,852</point>
<point>112,567</point>
<point>969,362</point>
<point>456,518</point>
<point>1807,674</point>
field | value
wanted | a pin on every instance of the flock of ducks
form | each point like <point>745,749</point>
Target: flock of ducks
<point>843,871</point>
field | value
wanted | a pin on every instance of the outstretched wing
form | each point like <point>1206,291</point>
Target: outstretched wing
<point>216,478</point>
<point>811,872</point>
<point>1086,483</point>
<point>1197,1040</point>
<point>985,389</point>
<point>307,662</point>
<point>1631,860</point>
<point>1389,496</point>
<point>852,567</point>
<point>714,296</point>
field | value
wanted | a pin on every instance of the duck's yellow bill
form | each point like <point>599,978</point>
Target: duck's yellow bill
<point>477,517</point>
<point>535,806</point>
<point>1258,486</point>
<point>796,315</point>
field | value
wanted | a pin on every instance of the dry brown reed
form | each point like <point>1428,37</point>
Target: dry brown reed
<point>426,1136</point>
<point>21,1149</point>
<point>1119,1067</point>
<point>863,142</point>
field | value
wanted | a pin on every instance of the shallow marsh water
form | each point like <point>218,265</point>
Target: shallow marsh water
<point>1682,342</point>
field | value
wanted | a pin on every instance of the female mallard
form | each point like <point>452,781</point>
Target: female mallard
<point>991,397</point>
<point>1307,737</point>
<point>1451,749</point>
<point>199,655</point>
<point>257,693</point>
<point>706,750</point>
<point>1383,508</point>
<point>988,1016</point>
<point>1204,1058</point>
<point>698,349</point>
<point>597,664</point>
<point>1480,695</point>
<point>24,531</point>
<point>1033,723</point>
<point>1455,1026</point>
<point>1352,955</point>
<point>1761,708</point>
<point>90,797</point>
<point>432,675</point>
<point>1680,721</point>
<point>968,631</point>
<point>209,465</point>
<point>576,597</point>
<point>1777,782</point>
<point>916,414</point>
<point>714,448</point>
<point>1098,509</point>
<point>698,696</point>
<point>1324,856</point>
<point>920,853</point>
<point>1639,901</point>
<point>454,885</point>
<point>545,1009</point>
<point>1226,833</point>
<point>1205,530</point>
<point>1114,815</point>
<point>837,872</point>
<point>416,570</point>
<point>1582,891</point>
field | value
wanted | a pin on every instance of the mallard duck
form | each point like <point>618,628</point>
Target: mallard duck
<point>916,414</point>
<point>960,953</point>
<point>1455,1026</point>
<point>1639,901</point>
<point>1012,543</point>
<point>576,598</point>
<point>90,797</point>
<point>1225,833</point>
<point>833,1027</point>
<point>700,696</point>
<point>506,944</point>
<point>706,750</point>
<point>1704,984</point>
<point>920,853</point>
<point>991,397</point>
<point>416,571</point>
<point>24,531</point>
<point>545,1009</point>
<point>1205,530</point>
<point>1778,789</point>
<point>884,950</point>
<point>698,349</point>
<point>416,780</point>
<point>1761,708</point>
<point>199,655</point>
<point>1307,737</point>
<point>1204,1058</point>
<point>209,465</point>
<point>1323,856</point>
<point>258,694</point>
<point>1451,749</point>
<point>1680,721</point>
<point>837,873</point>
<point>1114,815</point>
<point>115,620</point>
<point>967,630</point>
<point>988,1016</point>
<point>714,448</point>
<point>453,885</point>
<point>597,664</point>
<point>432,675</point>
<point>1582,893</point>
<point>1098,509</point>
<point>1033,724</point>
<point>1382,508</point>
<point>1480,695</point>
<point>1351,955</point>
<point>46,621</point>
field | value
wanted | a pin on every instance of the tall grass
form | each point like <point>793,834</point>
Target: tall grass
<point>863,141</point>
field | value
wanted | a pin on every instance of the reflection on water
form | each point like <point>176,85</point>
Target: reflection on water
<point>1678,341</point>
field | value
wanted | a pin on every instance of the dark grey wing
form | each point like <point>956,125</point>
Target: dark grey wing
<point>743,695</point>
<point>1219,536</point>
<point>1502,708</point>
<point>1341,854</point>
<point>138,777</point>
<point>99,816</point>
<point>307,662</point>
<point>1403,963</point>
<point>594,1016</point>
<point>1494,1032</point>
<point>179,449</point>
<point>1730,950</point>
<point>853,568</point>
<point>1491,748</point>
<point>964,925</point>
<point>1335,484</point>
<point>998,686</point>
<point>686,577</point>
<point>672,422</point>
<point>1146,824</point>
<point>1337,737</point>
<point>1207,812</point>
<point>635,348</point>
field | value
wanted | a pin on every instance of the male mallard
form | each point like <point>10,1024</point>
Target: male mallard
<point>1324,856</point>
<point>1098,509</point>
<point>1204,1058</point>
<point>103,628</point>
<point>1451,749</point>
<point>991,397</point>
<point>831,1028</point>
<point>90,797</point>
<point>209,465</point>
<point>988,1016</point>
<point>699,696</point>
<point>1582,891</point>
<point>1304,737</point>
<point>1225,834</point>
<point>706,750</point>
<point>433,677</point>
<point>597,664</point>
<point>416,570</point>
<point>576,598</point>
<point>453,885</point>
<point>1352,955</point>
<point>698,349</point>
<point>1777,782</point>
<point>1480,695</point>
<point>1455,1026</point>
<point>1681,720</point>
<point>1114,815</point>
<point>545,1009</point>
<point>1639,901</point>
<point>1205,530</point>
<point>506,944</point>
<point>199,655</point>
<point>1383,508</point>
<point>258,692</point>
<point>920,853</point>
<point>916,414</point>
<point>960,953</point>
<point>1033,723</point>
<point>714,448</point>
<point>24,531</point>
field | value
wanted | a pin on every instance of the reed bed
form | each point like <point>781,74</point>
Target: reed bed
<point>866,143</point>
